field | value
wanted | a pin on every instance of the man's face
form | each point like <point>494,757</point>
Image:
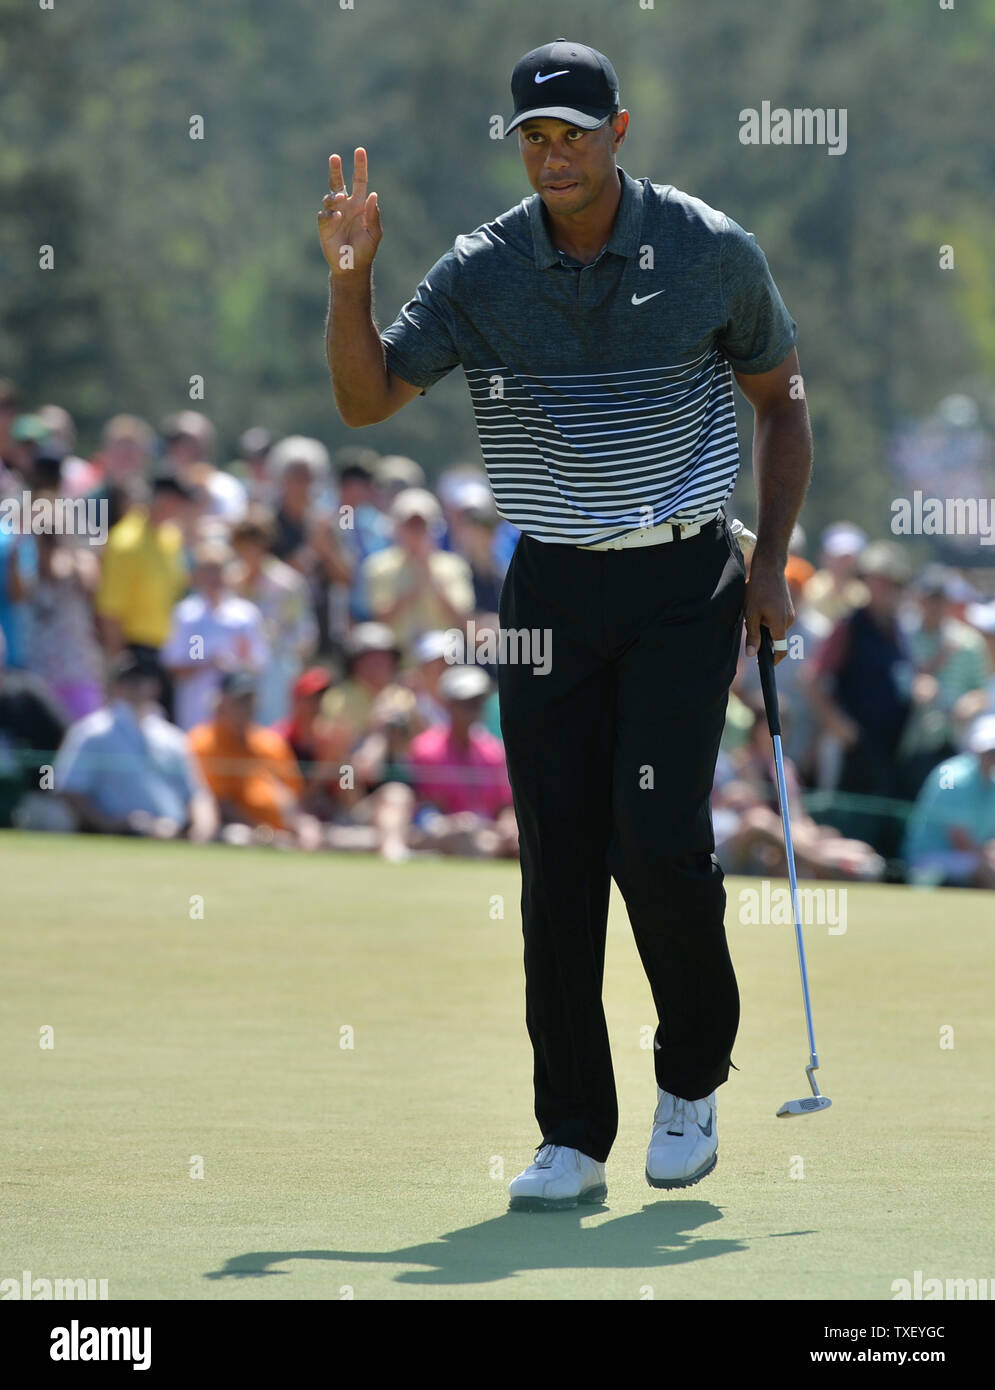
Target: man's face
<point>125,458</point>
<point>375,669</point>
<point>414,536</point>
<point>885,593</point>
<point>569,167</point>
<point>463,713</point>
<point>209,578</point>
<point>297,484</point>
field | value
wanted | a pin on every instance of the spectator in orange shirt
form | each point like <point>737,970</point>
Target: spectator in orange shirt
<point>252,772</point>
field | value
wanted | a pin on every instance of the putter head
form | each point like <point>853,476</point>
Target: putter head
<point>808,1106</point>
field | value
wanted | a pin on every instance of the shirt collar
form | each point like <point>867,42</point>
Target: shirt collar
<point>624,240</point>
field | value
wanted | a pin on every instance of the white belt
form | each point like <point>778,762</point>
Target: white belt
<point>654,535</point>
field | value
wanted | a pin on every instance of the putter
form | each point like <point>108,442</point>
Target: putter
<point>816,1101</point>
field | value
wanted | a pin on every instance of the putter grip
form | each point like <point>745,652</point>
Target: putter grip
<point>767,683</point>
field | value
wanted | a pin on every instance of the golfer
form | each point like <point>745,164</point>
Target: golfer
<point>600,324</point>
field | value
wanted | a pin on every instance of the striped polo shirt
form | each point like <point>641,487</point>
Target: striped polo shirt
<point>603,394</point>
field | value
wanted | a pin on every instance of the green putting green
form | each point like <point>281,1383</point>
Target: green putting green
<point>338,1046</point>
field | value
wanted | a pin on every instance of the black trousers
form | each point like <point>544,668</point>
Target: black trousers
<point>611,757</point>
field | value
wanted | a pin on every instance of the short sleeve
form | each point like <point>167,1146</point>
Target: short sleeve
<point>758,332</point>
<point>419,344</point>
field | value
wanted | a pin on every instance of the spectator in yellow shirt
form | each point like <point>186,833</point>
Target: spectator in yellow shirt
<point>413,587</point>
<point>144,574</point>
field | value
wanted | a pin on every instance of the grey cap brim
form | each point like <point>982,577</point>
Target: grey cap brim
<point>559,113</point>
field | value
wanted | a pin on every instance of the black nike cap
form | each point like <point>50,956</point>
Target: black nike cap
<point>568,81</point>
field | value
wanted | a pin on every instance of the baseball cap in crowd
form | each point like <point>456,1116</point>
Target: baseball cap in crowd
<point>960,589</point>
<point>415,501</point>
<point>843,538</point>
<point>934,582</point>
<point>469,493</point>
<point>884,560</point>
<point>311,682</point>
<point>255,442</point>
<point>395,472</point>
<point>239,684</point>
<point>370,637</point>
<point>566,80</point>
<point>464,683</point>
<point>431,645</point>
<point>981,736</point>
<point>299,448</point>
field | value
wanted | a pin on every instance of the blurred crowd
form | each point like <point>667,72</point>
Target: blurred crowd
<point>263,653</point>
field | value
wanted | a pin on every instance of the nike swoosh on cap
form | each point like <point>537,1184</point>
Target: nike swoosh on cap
<point>562,73</point>
<point>642,298</point>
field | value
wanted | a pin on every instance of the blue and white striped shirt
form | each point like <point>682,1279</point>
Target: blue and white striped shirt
<point>603,394</point>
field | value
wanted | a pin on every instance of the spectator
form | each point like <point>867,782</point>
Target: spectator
<point>861,689</point>
<point>363,527</point>
<point>18,571</point>
<point>394,473</point>
<point>473,530</point>
<point>372,664</point>
<point>746,812</point>
<point>251,467</point>
<point>981,617</point>
<point>413,586</point>
<point>951,662</point>
<point>121,465</point>
<point>281,595</point>
<point>460,777</point>
<point>805,637</point>
<point>11,458</point>
<point>458,488</point>
<point>143,571</point>
<point>299,729</point>
<point>307,534</point>
<point>836,589</point>
<point>214,631</point>
<point>32,725</point>
<point>61,643</point>
<point>189,452</point>
<point>78,476</point>
<point>252,772</point>
<point>433,655</point>
<point>126,771</point>
<point>376,812</point>
<point>951,833</point>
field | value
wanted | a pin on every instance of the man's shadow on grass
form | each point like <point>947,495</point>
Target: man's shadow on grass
<point>661,1234</point>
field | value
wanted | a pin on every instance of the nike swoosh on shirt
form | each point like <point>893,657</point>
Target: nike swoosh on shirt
<point>642,298</point>
<point>562,73</point>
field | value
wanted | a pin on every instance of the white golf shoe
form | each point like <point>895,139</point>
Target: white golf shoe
<point>557,1180</point>
<point>684,1143</point>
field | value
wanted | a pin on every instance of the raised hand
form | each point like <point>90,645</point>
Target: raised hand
<point>349,224</point>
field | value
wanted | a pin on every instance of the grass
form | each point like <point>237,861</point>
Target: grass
<point>380,1169</point>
